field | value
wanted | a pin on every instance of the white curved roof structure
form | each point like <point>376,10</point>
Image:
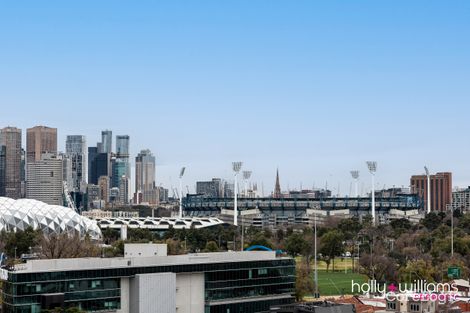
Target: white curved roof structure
<point>22,213</point>
<point>159,223</point>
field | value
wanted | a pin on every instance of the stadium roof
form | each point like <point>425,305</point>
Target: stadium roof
<point>23,213</point>
<point>159,223</point>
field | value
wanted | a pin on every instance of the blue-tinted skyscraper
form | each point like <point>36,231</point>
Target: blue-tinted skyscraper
<point>106,145</point>
<point>122,146</point>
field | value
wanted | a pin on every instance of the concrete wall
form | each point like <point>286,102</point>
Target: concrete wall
<point>135,250</point>
<point>153,293</point>
<point>190,293</point>
<point>124,295</point>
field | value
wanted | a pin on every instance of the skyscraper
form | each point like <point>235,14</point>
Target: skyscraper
<point>145,173</point>
<point>92,153</point>
<point>122,156</point>
<point>120,167</point>
<point>75,148</point>
<point>3,155</point>
<point>106,142</point>
<point>10,137</point>
<point>39,140</point>
<point>45,179</point>
<point>103,182</point>
<point>122,146</point>
<point>124,190</point>
<point>100,166</point>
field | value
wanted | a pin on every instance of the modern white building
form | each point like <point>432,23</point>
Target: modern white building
<point>218,282</point>
<point>45,179</point>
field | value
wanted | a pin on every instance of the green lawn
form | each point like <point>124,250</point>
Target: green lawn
<point>337,283</point>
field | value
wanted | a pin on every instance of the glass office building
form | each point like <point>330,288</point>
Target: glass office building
<point>225,282</point>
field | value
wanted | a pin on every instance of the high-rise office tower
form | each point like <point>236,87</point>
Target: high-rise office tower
<point>10,137</point>
<point>39,140</point>
<point>213,188</point>
<point>100,166</point>
<point>145,173</point>
<point>76,150</point>
<point>3,155</point>
<point>45,178</point>
<point>106,142</point>
<point>122,146</point>
<point>124,190</point>
<point>67,175</point>
<point>92,153</point>
<point>103,183</point>
<point>122,154</point>
<point>23,173</point>
<point>441,189</point>
<point>120,167</point>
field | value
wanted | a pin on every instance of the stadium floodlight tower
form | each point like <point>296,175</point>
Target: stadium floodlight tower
<point>372,166</point>
<point>246,177</point>
<point>181,191</point>
<point>355,176</point>
<point>236,166</point>
<point>428,191</point>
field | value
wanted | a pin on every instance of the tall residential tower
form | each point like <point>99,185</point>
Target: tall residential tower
<point>10,138</point>
<point>76,150</point>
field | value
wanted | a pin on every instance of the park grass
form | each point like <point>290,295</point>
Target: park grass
<point>337,283</point>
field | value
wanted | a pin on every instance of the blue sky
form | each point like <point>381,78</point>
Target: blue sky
<point>314,88</point>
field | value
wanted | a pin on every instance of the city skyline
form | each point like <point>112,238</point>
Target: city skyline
<point>347,189</point>
<point>316,96</point>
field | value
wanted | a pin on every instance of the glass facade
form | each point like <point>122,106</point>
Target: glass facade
<point>234,287</point>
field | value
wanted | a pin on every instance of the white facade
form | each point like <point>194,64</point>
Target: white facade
<point>461,199</point>
<point>144,250</point>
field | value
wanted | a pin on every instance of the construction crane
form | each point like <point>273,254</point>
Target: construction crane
<point>68,199</point>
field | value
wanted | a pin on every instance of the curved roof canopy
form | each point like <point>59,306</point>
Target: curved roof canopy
<point>23,213</point>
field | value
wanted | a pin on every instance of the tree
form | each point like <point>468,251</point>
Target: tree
<point>303,281</point>
<point>295,244</point>
<point>331,246</point>
<point>261,239</point>
<point>65,245</point>
<point>431,221</point>
<point>211,246</point>
<point>19,242</point>
<point>417,270</point>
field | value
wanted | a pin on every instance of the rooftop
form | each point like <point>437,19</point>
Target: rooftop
<point>56,265</point>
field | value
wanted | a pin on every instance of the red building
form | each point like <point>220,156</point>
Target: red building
<point>441,189</point>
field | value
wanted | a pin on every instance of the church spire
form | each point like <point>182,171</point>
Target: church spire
<point>277,188</point>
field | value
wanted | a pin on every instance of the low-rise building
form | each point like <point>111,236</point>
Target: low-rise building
<point>198,283</point>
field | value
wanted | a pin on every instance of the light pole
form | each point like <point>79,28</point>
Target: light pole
<point>236,166</point>
<point>355,176</point>
<point>428,192</point>
<point>315,277</point>
<point>181,192</point>
<point>372,166</point>
<point>246,177</point>
<point>449,206</point>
